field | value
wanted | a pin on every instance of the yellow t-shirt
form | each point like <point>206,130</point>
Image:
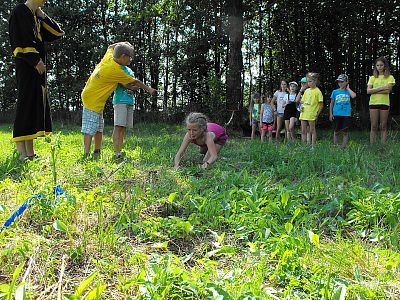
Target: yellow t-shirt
<point>377,82</point>
<point>311,101</point>
<point>103,81</point>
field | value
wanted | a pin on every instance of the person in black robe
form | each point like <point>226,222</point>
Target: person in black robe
<point>29,29</point>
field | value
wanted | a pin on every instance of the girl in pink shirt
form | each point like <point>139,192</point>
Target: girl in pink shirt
<point>210,137</point>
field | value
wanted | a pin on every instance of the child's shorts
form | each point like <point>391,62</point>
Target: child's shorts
<point>341,123</point>
<point>290,111</point>
<point>92,122</point>
<point>267,126</point>
<point>280,115</point>
<point>123,115</point>
<point>254,122</point>
<point>379,106</point>
<point>222,140</point>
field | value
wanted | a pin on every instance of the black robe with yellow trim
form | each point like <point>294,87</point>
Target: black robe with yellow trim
<point>27,34</point>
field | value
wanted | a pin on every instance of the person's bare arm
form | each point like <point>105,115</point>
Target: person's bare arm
<point>321,106</point>
<point>261,114</point>
<point>182,149</point>
<point>331,111</point>
<point>273,104</point>
<point>381,90</point>
<point>212,150</point>
<point>132,87</point>
<point>141,85</point>
<point>352,94</point>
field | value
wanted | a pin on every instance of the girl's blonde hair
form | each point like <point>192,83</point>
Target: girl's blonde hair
<point>197,118</point>
<point>387,68</point>
<point>313,76</point>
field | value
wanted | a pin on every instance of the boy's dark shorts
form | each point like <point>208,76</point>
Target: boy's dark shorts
<point>341,123</point>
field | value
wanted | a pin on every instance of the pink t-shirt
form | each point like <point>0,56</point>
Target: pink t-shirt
<point>218,130</point>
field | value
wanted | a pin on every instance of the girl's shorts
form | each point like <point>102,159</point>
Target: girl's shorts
<point>221,141</point>
<point>267,126</point>
<point>379,106</point>
<point>290,111</point>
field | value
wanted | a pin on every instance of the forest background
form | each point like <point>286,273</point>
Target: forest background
<point>210,56</point>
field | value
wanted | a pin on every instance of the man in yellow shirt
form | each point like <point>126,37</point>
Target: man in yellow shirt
<point>99,87</point>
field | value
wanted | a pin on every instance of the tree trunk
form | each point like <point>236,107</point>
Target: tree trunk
<point>166,76</point>
<point>234,87</point>
<point>260,50</point>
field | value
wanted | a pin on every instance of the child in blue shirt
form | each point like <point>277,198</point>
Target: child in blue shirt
<point>123,101</point>
<point>340,109</point>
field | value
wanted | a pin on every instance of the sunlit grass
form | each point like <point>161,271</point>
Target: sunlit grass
<point>266,221</point>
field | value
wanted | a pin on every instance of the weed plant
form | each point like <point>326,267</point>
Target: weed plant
<point>267,221</point>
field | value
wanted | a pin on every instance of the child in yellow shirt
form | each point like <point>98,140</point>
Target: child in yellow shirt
<point>312,104</point>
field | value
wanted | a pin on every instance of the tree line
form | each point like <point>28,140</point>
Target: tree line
<point>210,56</point>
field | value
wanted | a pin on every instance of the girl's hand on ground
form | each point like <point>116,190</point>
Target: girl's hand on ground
<point>204,165</point>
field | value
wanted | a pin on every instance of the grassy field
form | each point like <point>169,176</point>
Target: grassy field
<point>265,222</point>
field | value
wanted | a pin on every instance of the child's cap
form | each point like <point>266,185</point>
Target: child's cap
<point>294,83</point>
<point>303,80</point>
<point>342,77</point>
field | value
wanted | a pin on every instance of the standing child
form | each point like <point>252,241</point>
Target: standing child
<point>303,87</point>
<point>267,117</point>
<point>380,85</point>
<point>100,85</point>
<point>340,109</point>
<point>123,101</point>
<point>290,110</point>
<point>312,101</point>
<point>279,98</point>
<point>254,114</point>
<point>210,137</point>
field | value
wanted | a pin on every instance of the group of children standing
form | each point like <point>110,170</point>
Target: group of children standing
<point>289,104</point>
<point>280,111</point>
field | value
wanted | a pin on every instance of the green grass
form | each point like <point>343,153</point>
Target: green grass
<point>265,222</point>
